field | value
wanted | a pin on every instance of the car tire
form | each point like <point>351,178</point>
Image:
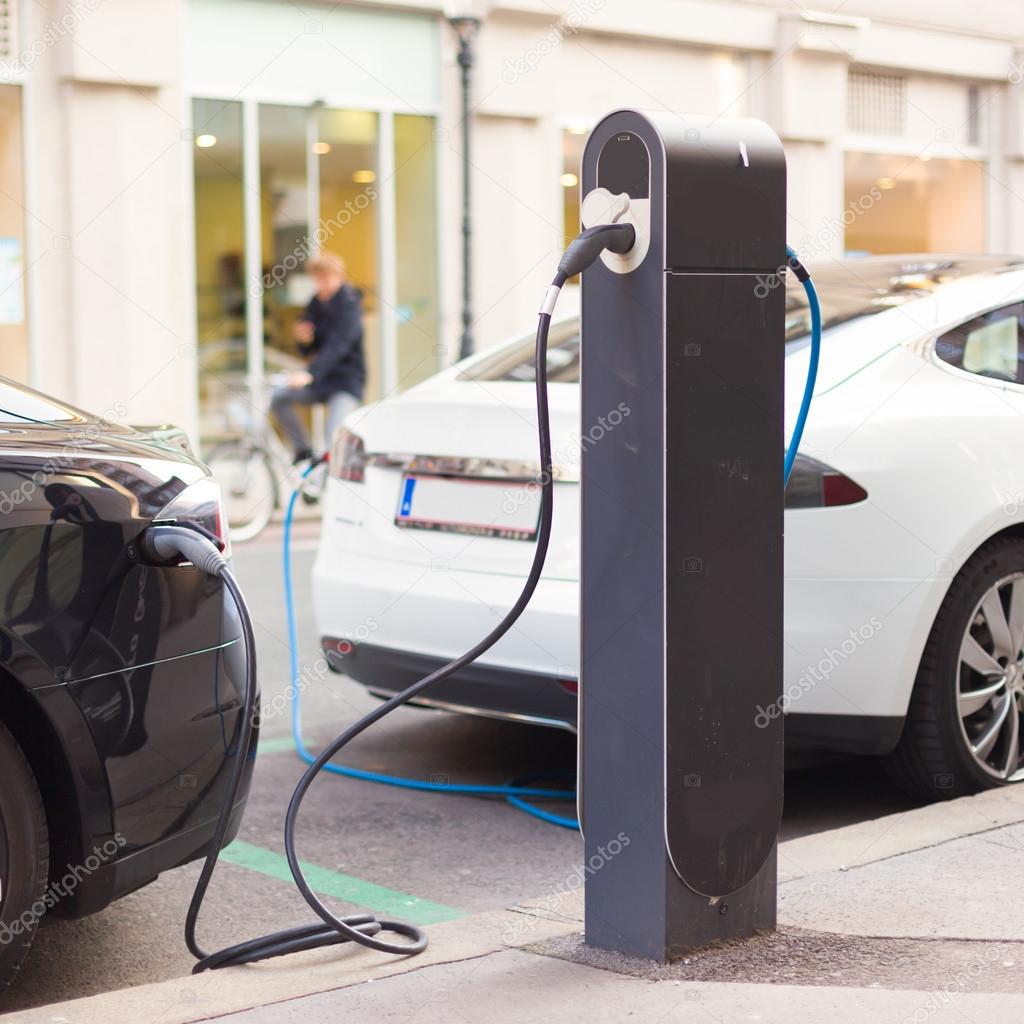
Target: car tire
<point>954,708</point>
<point>24,856</point>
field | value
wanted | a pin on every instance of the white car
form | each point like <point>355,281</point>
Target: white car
<point>904,593</point>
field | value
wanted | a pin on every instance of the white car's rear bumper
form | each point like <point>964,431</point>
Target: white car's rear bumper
<point>397,622</point>
<point>851,645</point>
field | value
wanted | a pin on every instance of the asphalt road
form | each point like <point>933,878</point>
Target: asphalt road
<point>420,856</point>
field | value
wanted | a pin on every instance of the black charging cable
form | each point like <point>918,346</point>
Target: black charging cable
<point>166,544</point>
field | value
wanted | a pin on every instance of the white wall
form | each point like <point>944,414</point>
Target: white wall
<point>112,327</point>
<point>518,223</point>
<point>349,56</point>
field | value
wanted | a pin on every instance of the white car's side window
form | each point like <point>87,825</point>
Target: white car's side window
<point>988,345</point>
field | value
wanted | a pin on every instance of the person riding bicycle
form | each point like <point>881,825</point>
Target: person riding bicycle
<point>330,335</point>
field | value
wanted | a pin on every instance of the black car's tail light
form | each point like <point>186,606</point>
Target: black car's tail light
<point>200,504</point>
<point>812,484</point>
<point>348,457</point>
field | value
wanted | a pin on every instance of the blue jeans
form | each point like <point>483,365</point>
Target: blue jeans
<point>284,401</point>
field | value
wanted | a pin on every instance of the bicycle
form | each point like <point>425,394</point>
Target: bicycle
<point>254,467</point>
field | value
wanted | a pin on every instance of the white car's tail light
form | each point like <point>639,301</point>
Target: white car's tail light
<point>812,484</point>
<point>201,505</point>
<point>348,457</point>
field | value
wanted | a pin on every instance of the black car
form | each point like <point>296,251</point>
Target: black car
<point>120,683</point>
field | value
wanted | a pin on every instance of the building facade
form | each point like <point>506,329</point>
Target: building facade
<point>166,167</point>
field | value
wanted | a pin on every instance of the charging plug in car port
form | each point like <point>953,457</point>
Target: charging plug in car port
<point>170,543</point>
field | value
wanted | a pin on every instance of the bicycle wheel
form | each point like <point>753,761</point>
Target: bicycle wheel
<point>247,477</point>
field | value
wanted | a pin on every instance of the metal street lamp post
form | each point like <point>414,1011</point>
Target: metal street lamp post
<point>466,18</point>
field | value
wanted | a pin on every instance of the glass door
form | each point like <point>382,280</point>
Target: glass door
<point>416,249</point>
<point>219,262</point>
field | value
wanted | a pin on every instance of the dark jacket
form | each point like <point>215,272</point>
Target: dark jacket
<point>337,346</point>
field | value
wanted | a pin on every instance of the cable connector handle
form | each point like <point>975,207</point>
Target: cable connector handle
<point>166,544</point>
<point>794,264</point>
<point>589,244</point>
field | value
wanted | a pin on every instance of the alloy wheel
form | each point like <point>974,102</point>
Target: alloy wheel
<point>990,685</point>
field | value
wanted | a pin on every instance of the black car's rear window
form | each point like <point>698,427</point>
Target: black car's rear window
<point>848,290</point>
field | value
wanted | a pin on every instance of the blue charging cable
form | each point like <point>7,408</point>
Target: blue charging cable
<point>515,792</point>
<point>812,367</point>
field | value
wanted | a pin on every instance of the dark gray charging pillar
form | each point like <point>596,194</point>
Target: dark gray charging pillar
<point>681,560</point>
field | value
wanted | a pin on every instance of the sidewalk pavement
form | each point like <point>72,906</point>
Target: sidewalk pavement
<point>913,917</point>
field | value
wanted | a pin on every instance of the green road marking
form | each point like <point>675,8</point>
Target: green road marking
<point>343,887</point>
<point>275,746</point>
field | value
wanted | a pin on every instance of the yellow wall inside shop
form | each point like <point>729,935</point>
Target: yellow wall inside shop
<point>219,231</point>
<point>13,337</point>
<point>355,241</point>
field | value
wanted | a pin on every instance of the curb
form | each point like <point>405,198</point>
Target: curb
<point>235,989</point>
<point>881,838</point>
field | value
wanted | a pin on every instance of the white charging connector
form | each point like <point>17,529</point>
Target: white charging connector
<point>603,207</point>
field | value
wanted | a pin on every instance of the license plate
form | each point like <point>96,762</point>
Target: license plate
<point>485,508</point>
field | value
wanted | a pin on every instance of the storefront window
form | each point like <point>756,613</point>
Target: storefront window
<point>573,140</point>
<point>220,263</point>
<point>346,148</point>
<point>13,317</point>
<point>905,204</point>
<point>416,248</point>
<point>319,189</point>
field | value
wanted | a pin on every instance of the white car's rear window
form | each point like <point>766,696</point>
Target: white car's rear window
<point>849,289</point>
<point>515,361</point>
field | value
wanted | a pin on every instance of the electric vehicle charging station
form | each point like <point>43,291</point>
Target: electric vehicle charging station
<point>679,791</point>
<point>681,533</point>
